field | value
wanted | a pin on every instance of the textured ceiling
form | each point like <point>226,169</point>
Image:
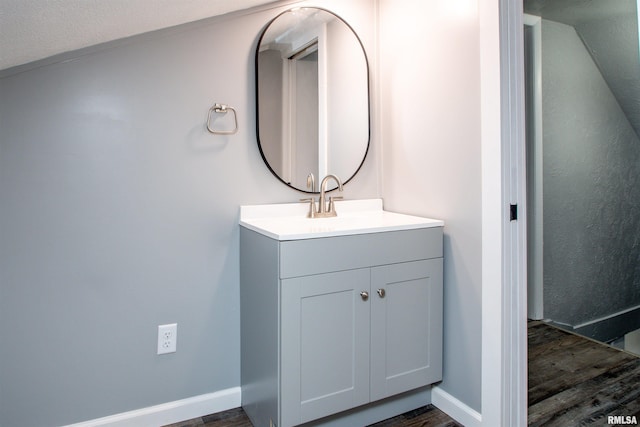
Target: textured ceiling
<point>574,12</point>
<point>609,31</point>
<point>35,29</point>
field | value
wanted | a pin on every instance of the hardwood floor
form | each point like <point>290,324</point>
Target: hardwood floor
<point>422,417</point>
<point>231,418</point>
<point>573,381</point>
<point>427,416</point>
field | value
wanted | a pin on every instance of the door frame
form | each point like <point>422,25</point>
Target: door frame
<point>533,175</point>
<point>504,299</point>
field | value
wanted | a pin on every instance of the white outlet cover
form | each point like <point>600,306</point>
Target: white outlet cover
<point>167,338</point>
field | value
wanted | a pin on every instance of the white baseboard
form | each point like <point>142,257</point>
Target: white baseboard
<point>171,412</point>
<point>205,404</point>
<point>457,410</point>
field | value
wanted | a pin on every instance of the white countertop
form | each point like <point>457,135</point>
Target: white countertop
<point>288,221</point>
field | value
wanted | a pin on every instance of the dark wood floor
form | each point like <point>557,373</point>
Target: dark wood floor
<point>427,416</point>
<point>573,381</point>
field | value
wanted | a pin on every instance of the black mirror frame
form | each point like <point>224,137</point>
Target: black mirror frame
<point>364,52</point>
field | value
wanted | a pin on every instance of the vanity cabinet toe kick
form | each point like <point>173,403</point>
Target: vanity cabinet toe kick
<point>331,324</point>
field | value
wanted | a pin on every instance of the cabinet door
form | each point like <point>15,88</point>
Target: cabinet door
<point>406,326</point>
<point>324,345</point>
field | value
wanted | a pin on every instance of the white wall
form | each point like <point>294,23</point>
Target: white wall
<point>119,213</point>
<point>430,122</point>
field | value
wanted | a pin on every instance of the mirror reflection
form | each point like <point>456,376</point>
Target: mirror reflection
<point>312,97</point>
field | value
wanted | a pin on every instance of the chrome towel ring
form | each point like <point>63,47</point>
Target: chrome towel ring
<point>222,109</point>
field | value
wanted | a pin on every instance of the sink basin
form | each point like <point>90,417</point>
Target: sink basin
<point>288,221</point>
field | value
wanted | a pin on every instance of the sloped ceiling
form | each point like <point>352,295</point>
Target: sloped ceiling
<point>35,29</point>
<point>609,30</point>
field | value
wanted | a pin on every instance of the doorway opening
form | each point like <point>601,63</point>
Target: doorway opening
<point>583,167</point>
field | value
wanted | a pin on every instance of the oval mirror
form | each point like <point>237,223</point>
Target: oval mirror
<point>312,85</point>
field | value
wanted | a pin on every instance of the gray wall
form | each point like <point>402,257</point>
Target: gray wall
<point>591,187</point>
<point>119,213</point>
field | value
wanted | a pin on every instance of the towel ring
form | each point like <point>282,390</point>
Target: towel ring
<point>222,109</point>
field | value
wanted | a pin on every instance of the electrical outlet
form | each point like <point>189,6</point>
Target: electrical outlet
<point>167,338</point>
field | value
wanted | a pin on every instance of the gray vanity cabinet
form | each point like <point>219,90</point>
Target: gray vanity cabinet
<point>325,345</point>
<point>335,323</point>
<point>406,327</point>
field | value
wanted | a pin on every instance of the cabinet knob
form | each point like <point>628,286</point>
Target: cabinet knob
<point>381,293</point>
<point>364,295</point>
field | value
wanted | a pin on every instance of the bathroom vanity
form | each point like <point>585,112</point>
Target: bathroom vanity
<point>336,313</point>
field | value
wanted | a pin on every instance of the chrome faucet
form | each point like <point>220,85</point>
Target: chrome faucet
<point>323,210</point>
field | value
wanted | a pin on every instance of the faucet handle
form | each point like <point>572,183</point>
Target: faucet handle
<point>312,207</point>
<point>332,206</point>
